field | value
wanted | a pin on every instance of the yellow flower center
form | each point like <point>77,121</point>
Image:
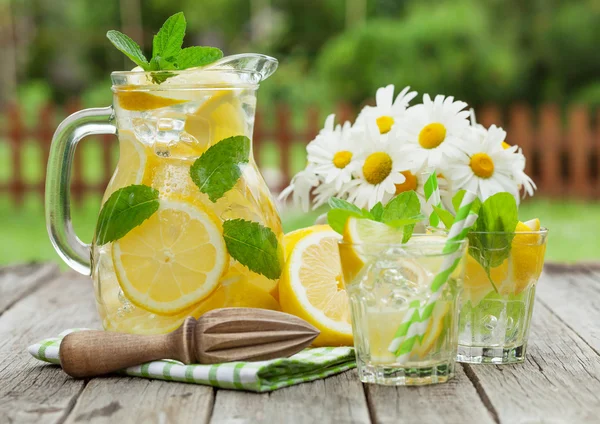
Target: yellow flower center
<point>409,184</point>
<point>482,165</point>
<point>342,158</point>
<point>505,145</point>
<point>385,124</point>
<point>377,167</point>
<point>432,135</point>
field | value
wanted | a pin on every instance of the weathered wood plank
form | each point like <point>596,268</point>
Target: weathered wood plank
<point>124,400</point>
<point>456,401</point>
<point>337,399</point>
<point>573,294</point>
<point>30,391</point>
<point>18,281</point>
<point>559,381</point>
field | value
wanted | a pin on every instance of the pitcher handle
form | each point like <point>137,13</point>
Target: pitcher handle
<point>71,249</point>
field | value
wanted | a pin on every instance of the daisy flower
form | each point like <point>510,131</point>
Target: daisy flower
<point>378,168</point>
<point>433,130</point>
<point>332,153</point>
<point>481,128</point>
<point>485,167</point>
<point>300,186</point>
<point>387,111</point>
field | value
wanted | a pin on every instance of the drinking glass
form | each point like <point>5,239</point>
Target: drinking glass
<point>384,283</point>
<point>498,296</point>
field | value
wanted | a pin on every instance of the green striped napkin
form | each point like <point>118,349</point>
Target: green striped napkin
<point>263,376</point>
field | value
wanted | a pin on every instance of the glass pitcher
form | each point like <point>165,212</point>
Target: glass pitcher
<point>187,222</point>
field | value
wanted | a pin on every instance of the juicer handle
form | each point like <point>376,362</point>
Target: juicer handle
<point>71,249</point>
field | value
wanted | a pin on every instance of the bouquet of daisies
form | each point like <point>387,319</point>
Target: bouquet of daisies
<point>394,147</point>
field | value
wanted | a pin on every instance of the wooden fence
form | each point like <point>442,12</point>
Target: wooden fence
<point>562,147</point>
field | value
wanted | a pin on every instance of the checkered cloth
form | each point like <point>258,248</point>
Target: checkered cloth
<point>263,376</point>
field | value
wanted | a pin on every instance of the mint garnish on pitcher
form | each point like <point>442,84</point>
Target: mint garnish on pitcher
<point>167,54</point>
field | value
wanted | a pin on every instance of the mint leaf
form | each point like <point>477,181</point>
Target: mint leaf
<point>129,47</point>
<point>192,57</point>
<point>407,225</point>
<point>336,218</point>
<point>335,203</point>
<point>124,210</point>
<point>167,43</point>
<point>494,231</point>
<point>254,246</point>
<point>219,168</point>
<point>446,217</point>
<point>404,205</point>
<point>377,211</point>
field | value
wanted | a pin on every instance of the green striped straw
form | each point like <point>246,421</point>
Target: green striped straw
<point>415,321</point>
<point>432,197</point>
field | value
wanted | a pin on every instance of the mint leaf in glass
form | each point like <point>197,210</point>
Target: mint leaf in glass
<point>377,211</point>
<point>129,47</point>
<point>336,218</point>
<point>124,210</point>
<point>169,39</point>
<point>404,205</point>
<point>254,246</point>
<point>335,203</point>
<point>446,217</point>
<point>220,167</point>
<point>491,239</point>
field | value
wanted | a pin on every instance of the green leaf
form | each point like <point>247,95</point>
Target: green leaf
<point>494,231</point>
<point>377,211</point>
<point>405,205</point>
<point>335,203</point>
<point>220,167</point>
<point>446,217</point>
<point>336,218</point>
<point>124,210</point>
<point>191,57</point>
<point>129,47</point>
<point>407,225</point>
<point>161,76</point>
<point>168,41</point>
<point>254,246</point>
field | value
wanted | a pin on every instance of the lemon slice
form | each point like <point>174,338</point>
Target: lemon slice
<point>236,291</point>
<point>219,117</point>
<point>131,166</point>
<point>311,286</point>
<point>172,260</point>
<point>237,270</point>
<point>138,320</point>
<point>434,329</point>
<point>527,255</point>
<point>142,100</point>
<point>374,235</point>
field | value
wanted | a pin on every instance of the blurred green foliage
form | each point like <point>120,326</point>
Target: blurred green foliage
<point>477,50</point>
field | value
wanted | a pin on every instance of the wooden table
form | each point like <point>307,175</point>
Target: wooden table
<point>558,383</point>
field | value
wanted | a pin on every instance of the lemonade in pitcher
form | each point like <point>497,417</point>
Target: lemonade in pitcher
<point>187,222</point>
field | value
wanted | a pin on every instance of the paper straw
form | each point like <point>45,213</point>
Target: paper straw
<point>432,197</point>
<point>415,321</point>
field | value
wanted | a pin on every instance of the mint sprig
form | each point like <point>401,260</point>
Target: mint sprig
<point>167,54</point>
<point>254,246</point>
<point>402,212</point>
<point>220,167</point>
<point>124,210</point>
